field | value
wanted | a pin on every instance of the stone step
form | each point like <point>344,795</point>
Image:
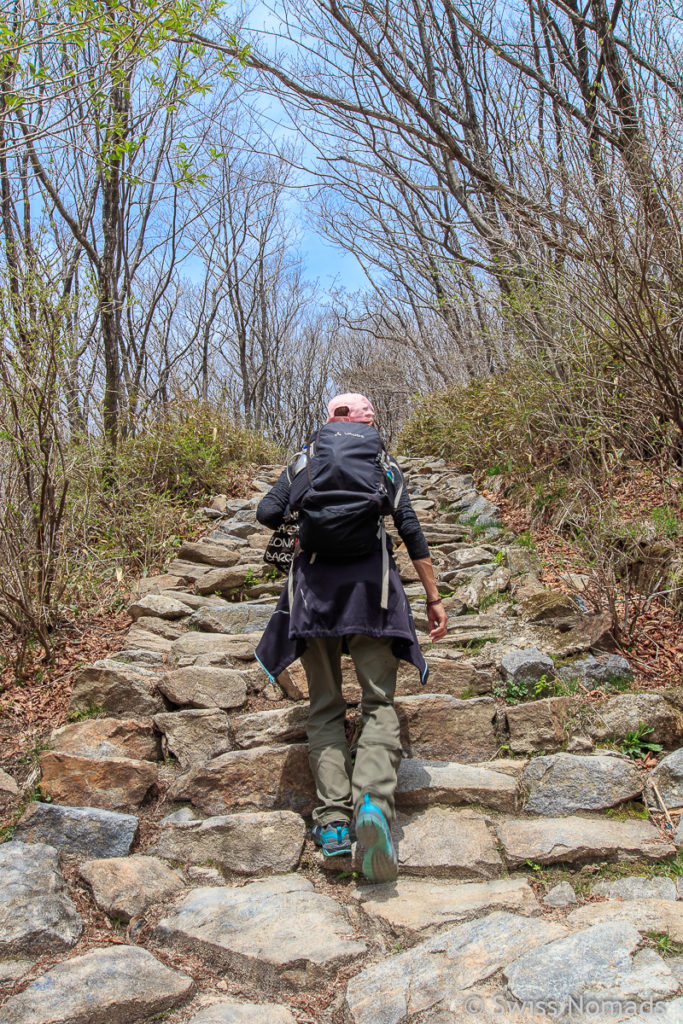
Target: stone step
<point>548,724</point>
<point>578,840</point>
<point>123,690</point>
<point>78,831</point>
<point>424,783</point>
<point>262,779</point>
<point>421,906</point>
<point>249,843</point>
<point>112,783</point>
<point>442,728</point>
<point>279,933</point>
<point>125,887</point>
<point>117,984</point>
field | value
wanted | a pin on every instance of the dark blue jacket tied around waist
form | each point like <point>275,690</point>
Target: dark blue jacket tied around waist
<point>338,599</point>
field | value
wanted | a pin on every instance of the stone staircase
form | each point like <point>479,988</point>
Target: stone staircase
<point>538,864</point>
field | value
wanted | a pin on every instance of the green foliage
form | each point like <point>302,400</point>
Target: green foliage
<point>636,746</point>
<point>513,692</point>
<point>93,711</point>
<point>628,810</point>
<point>668,521</point>
<point>193,450</point>
<point>664,944</point>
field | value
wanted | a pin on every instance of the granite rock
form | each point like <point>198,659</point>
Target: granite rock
<point>124,887</point>
<point>668,778</point>
<point>256,843</point>
<point>113,783</point>
<point>594,964</point>
<point>417,904</point>
<point>113,985</point>
<point>78,831</point>
<point>422,783</point>
<point>575,840</point>
<point>429,977</point>
<point>37,915</point>
<point>108,737</point>
<point>274,932</point>
<point>123,690</point>
<point>443,728</point>
<point>261,779</point>
<point>204,687</point>
<point>195,735</point>
<point>447,843</point>
<point>565,783</point>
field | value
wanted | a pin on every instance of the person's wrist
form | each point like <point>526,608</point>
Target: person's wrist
<point>434,600</point>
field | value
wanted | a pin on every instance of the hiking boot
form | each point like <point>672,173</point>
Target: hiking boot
<point>333,838</point>
<point>380,862</point>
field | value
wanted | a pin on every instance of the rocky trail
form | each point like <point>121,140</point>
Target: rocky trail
<point>168,873</point>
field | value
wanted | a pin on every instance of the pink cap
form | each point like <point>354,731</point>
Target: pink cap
<point>360,409</point>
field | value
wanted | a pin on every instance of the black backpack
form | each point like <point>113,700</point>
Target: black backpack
<point>342,486</point>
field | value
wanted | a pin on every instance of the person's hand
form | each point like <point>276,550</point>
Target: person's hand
<point>438,620</point>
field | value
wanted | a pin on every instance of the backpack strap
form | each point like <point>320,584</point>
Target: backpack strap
<point>384,601</point>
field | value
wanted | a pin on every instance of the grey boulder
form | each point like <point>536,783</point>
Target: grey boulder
<point>36,914</point>
<point>114,985</point>
<point>81,831</point>
<point>565,783</point>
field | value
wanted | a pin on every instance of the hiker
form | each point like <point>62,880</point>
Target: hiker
<point>344,595</point>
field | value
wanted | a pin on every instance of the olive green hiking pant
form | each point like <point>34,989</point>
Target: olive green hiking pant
<point>341,784</point>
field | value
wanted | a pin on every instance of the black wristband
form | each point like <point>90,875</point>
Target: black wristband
<point>437,600</point>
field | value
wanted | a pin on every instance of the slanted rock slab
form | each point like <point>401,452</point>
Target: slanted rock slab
<point>114,985</point>
<point>422,783</point>
<point>575,840</point>
<point>112,783</point>
<point>211,649</point>
<point>117,688</point>
<point>271,932</point>
<point>108,737</point>
<point>124,887</point>
<point>258,843</point>
<point>447,843</point>
<point>208,553</point>
<point>232,618</point>
<point>433,974</point>
<point>594,964</point>
<point>261,779</point>
<point>78,831</point>
<point>204,687</point>
<point>668,778</point>
<point>222,581</point>
<point>565,783</point>
<point>266,728</point>
<point>233,1012</point>
<point>194,736</point>
<point>660,915</point>
<point>37,915</point>
<point>443,728</point>
<point>637,888</point>
<point>418,904</point>
<point>157,606</point>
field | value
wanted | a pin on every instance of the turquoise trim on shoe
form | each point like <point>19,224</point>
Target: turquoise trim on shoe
<point>380,862</point>
<point>334,838</point>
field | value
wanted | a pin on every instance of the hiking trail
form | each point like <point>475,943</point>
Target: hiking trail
<point>169,870</point>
